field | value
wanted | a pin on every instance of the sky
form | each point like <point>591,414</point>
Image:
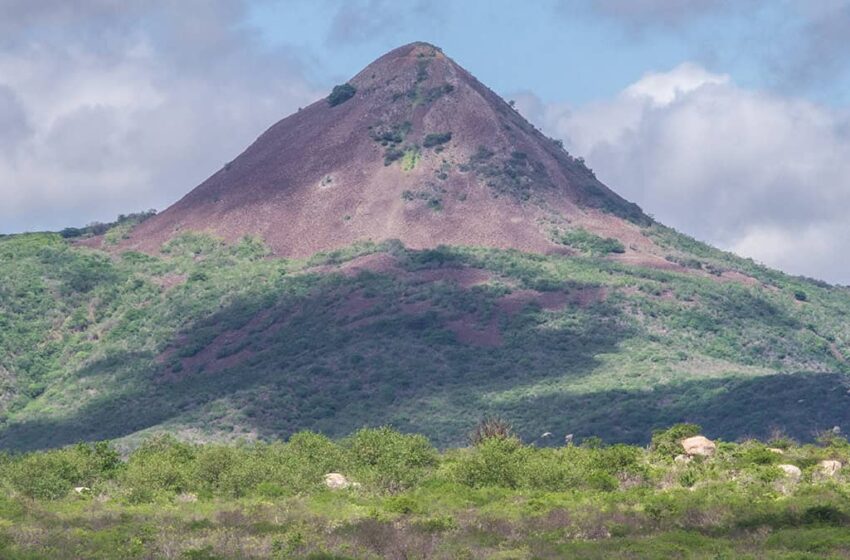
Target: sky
<point>726,119</point>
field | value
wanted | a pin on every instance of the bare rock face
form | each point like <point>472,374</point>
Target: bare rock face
<point>699,446</point>
<point>337,481</point>
<point>792,472</point>
<point>829,467</point>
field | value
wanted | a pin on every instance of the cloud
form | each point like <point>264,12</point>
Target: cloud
<point>765,175</point>
<point>361,21</point>
<point>817,53</point>
<point>651,13</point>
<point>108,107</point>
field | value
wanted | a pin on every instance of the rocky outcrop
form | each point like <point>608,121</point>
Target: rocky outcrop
<point>699,446</point>
<point>792,472</point>
<point>829,467</point>
<point>337,481</point>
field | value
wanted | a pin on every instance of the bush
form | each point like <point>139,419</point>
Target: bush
<point>51,474</point>
<point>45,476</point>
<point>495,461</point>
<point>669,442</point>
<point>490,428</point>
<point>436,139</point>
<point>390,460</point>
<point>587,242</point>
<point>340,94</point>
<point>159,466</point>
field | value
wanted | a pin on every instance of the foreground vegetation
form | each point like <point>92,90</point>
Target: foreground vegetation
<point>497,498</point>
<point>219,342</point>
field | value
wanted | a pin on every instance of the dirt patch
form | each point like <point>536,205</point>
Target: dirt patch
<point>518,300</point>
<point>210,358</point>
<point>463,277</point>
<point>376,262</point>
<point>735,276</point>
<point>169,281</point>
<point>356,304</point>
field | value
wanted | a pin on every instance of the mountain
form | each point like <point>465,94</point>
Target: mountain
<point>408,251</point>
<point>421,152</point>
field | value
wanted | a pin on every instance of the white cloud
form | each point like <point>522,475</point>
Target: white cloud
<point>765,175</point>
<point>132,116</point>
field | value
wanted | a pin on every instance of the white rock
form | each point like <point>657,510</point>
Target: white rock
<point>336,481</point>
<point>699,445</point>
<point>681,459</point>
<point>830,467</point>
<point>82,489</point>
<point>776,450</point>
<point>791,472</point>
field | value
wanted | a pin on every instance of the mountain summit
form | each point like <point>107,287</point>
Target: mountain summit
<point>412,148</point>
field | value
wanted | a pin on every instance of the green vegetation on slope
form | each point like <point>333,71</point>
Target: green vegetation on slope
<point>496,499</point>
<point>216,342</point>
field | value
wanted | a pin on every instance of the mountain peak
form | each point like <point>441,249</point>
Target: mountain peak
<point>413,147</point>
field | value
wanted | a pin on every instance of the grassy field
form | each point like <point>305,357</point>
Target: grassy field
<point>497,498</point>
<point>219,342</point>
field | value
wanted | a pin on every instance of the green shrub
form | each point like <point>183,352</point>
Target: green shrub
<point>587,242</point>
<point>494,462</point>
<point>390,460</point>
<point>668,443</point>
<point>341,94</point>
<point>161,465</point>
<point>45,476</point>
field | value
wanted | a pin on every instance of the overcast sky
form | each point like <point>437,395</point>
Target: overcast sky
<point>728,120</point>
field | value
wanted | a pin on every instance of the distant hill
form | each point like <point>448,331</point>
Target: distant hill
<point>409,251</point>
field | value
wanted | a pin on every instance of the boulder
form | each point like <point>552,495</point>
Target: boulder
<point>776,450</point>
<point>681,459</point>
<point>699,445</point>
<point>830,467</point>
<point>791,472</point>
<point>336,481</point>
<point>82,489</point>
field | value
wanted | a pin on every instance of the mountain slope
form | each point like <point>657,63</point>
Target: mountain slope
<point>422,152</point>
<point>504,280</point>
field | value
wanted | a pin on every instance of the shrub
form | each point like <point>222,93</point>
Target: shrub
<point>160,465</point>
<point>340,94</point>
<point>308,457</point>
<point>391,460</point>
<point>495,461</point>
<point>51,474</point>
<point>587,242</point>
<point>490,428</point>
<point>46,476</point>
<point>436,139</point>
<point>669,442</point>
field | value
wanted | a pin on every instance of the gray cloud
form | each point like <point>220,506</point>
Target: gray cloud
<point>818,52</point>
<point>111,106</point>
<point>762,174</point>
<point>361,21</point>
<point>650,13</point>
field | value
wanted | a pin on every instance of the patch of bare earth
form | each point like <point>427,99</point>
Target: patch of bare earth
<point>208,358</point>
<point>518,300</point>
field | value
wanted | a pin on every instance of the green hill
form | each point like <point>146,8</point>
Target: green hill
<point>216,341</point>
